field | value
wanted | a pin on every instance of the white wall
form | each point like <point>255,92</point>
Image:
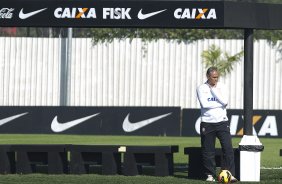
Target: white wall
<point>29,71</point>
<point>124,73</point>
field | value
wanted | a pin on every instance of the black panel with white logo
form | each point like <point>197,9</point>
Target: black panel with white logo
<point>84,13</point>
<point>266,122</point>
<point>137,13</point>
<point>160,121</point>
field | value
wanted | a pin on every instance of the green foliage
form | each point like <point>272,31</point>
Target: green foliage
<point>146,34</point>
<point>223,61</point>
<point>273,36</point>
<point>181,35</point>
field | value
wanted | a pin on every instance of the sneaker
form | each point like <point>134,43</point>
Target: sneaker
<point>233,179</point>
<point>210,178</point>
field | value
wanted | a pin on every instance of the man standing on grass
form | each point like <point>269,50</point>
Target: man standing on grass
<point>212,96</point>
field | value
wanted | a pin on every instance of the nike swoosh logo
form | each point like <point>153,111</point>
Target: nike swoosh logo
<point>11,118</point>
<point>23,15</point>
<point>142,16</point>
<point>130,127</point>
<point>56,126</point>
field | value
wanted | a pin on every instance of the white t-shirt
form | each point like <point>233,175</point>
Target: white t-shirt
<point>213,101</point>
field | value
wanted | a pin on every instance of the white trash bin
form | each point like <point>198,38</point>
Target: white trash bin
<point>250,152</point>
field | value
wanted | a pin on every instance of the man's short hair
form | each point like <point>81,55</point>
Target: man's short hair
<point>211,69</point>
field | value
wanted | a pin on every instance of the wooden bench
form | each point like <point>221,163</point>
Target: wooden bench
<point>161,157</point>
<point>85,157</point>
<point>195,167</point>
<point>30,157</point>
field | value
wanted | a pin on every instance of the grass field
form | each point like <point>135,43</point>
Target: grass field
<point>269,159</point>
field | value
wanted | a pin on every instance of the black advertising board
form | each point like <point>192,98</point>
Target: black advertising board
<point>157,121</point>
<point>137,13</point>
<point>116,13</point>
<point>267,123</point>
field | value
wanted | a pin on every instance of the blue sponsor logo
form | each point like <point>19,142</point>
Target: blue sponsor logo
<point>212,99</point>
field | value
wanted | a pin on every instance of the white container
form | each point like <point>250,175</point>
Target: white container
<point>250,160</point>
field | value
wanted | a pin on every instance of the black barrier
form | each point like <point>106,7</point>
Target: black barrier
<point>158,121</point>
<point>266,122</point>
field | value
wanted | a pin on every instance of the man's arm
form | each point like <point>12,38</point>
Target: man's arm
<point>204,102</point>
<point>220,94</point>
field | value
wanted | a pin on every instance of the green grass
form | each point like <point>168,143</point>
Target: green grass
<point>269,158</point>
<point>99,179</point>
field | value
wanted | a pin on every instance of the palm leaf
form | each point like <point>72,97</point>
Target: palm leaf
<point>223,61</point>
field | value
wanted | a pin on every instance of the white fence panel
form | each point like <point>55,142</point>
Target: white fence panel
<point>162,73</point>
<point>29,71</point>
<point>129,73</point>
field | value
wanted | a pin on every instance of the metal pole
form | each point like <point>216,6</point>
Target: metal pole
<point>248,81</point>
<point>65,60</point>
<point>69,46</point>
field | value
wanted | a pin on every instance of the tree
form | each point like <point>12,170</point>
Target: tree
<point>223,61</point>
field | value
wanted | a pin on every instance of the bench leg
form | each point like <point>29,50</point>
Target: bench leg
<point>23,165</point>
<point>195,166</point>
<point>7,160</point>
<point>130,165</point>
<point>111,163</point>
<point>57,162</point>
<point>77,163</point>
<point>163,164</point>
